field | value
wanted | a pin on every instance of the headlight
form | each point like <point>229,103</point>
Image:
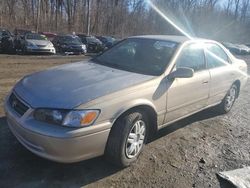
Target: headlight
<point>64,46</point>
<point>50,45</point>
<point>84,47</point>
<point>74,118</point>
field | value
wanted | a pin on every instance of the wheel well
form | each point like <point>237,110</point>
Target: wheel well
<point>237,83</point>
<point>150,113</point>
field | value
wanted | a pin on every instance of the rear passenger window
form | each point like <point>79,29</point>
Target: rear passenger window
<point>192,56</point>
<point>215,56</point>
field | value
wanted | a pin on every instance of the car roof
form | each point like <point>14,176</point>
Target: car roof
<point>82,35</point>
<point>48,33</point>
<point>105,36</point>
<point>174,38</point>
<point>85,36</point>
<point>67,35</point>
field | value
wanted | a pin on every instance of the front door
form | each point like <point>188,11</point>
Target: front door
<point>188,95</point>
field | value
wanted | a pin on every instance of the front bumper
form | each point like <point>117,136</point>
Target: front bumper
<point>41,50</point>
<point>73,50</point>
<point>57,143</point>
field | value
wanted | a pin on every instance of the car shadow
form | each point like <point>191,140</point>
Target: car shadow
<point>19,167</point>
<point>205,114</point>
<point>224,183</point>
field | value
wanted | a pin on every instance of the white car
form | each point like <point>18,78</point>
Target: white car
<point>36,43</point>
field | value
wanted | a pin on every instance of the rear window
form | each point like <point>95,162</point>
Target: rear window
<point>192,56</point>
<point>215,55</point>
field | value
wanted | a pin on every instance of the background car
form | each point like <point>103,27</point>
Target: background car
<point>6,41</point>
<point>36,43</point>
<point>69,44</point>
<point>232,48</point>
<point>243,49</point>
<point>92,43</point>
<point>18,36</point>
<point>107,41</point>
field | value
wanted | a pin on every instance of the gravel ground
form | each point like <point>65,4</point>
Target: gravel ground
<point>188,153</point>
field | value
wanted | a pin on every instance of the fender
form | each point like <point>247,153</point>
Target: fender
<point>133,104</point>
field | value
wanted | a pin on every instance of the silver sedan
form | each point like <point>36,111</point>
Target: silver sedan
<point>113,103</point>
<point>36,43</point>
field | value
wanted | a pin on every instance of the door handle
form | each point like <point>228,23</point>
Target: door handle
<point>205,82</point>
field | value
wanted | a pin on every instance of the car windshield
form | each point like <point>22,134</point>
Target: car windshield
<point>4,33</point>
<point>108,39</point>
<point>144,56</point>
<point>92,39</point>
<point>71,40</point>
<point>33,36</point>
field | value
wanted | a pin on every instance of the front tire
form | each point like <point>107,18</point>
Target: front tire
<point>127,138</point>
<point>24,51</point>
<point>227,103</point>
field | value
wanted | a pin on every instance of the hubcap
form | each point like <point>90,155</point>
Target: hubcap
<point>135,139</point>
<point>230,98</point>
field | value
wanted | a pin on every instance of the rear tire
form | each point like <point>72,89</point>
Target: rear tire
<point>127,138</point>
<point>227,103</point>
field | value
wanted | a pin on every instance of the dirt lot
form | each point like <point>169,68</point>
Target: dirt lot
<point>188,153</point>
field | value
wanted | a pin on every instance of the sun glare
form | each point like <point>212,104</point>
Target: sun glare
<point>165,17</point>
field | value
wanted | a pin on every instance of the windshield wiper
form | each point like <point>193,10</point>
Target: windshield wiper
<point>108,64</point>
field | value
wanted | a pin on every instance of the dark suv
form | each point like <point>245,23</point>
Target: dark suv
<point>6,41</point>
<point>107,41</point>
<point>18,37</point>
<point>69,44</point>
<point>92,43</point>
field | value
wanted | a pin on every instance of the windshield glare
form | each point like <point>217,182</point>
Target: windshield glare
<point>145,56</point>
<point>92,39</point>
<point>36,37</point>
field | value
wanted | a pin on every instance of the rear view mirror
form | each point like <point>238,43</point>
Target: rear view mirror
<point>182,72</point>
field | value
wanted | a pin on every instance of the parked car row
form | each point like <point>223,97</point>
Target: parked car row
<point>238,49</point>
<point>26,41</point>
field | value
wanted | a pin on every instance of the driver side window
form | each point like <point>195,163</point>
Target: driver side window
<point>129,48</point>
<point>192,56</point>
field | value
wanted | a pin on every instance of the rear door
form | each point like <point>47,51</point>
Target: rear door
<point>188,95</point>
<point>221,71</point>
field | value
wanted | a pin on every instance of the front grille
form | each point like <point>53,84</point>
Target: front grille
<point>76,47</point>
<point>41,46</point>
<point>17,105</point>
<point>41,50</point>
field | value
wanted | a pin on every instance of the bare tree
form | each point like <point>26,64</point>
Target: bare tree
<point>121,18</point>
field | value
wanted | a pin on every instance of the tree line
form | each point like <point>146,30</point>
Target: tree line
<point>217,19</point>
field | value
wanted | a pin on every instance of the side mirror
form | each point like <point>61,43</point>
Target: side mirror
<point>182,72</point>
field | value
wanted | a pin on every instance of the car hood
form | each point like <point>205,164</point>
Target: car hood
<point>71,85</point>
<point>39,42</point>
